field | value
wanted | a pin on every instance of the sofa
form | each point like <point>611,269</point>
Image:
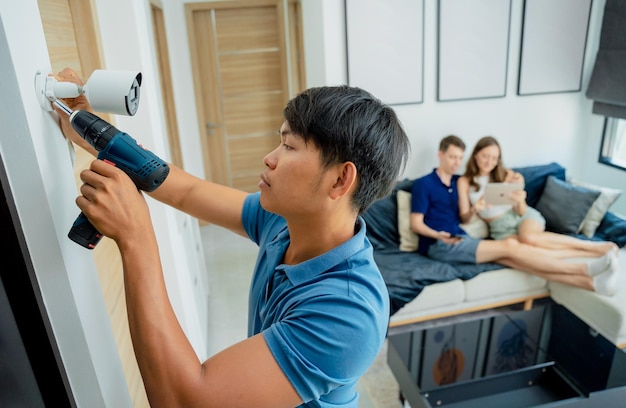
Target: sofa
<point>422,289</point>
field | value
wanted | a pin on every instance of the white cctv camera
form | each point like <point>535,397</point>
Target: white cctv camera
<point>106,90</point>
<point>113,91</point>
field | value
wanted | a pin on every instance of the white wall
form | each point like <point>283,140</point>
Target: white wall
<point>533,129</point>
<point>39,171</point>
<point>184,88</point>
<point>178,235</point>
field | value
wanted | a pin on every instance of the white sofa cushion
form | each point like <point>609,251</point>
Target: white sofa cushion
<point>408,239</point>
<point>432,299</point>
<point>502,283</point>
<point>599,208</point>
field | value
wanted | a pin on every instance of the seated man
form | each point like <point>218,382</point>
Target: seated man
<point>435,218</point>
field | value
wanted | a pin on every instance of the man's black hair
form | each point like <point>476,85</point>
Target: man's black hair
<point>349,124</point>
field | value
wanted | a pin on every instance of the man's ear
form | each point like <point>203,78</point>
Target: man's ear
<point>346,180</point>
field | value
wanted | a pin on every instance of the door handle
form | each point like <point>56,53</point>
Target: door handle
<point>210,126</point>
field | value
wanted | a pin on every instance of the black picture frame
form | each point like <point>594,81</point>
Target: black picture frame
<point>385,49</point>
<point>473,47</point>
<point>553,43</point>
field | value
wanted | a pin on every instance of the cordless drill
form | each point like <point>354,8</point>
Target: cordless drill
<point>143,167</point>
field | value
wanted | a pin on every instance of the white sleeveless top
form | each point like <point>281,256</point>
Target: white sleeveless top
<point>488,213</point>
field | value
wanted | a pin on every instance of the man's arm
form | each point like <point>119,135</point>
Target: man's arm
<point>418,226</point>
<point>245,374</point>
<point>217,204</point>
<point>420,202</point>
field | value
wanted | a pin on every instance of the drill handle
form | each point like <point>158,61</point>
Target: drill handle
<point>144,168</point>
<point>84,233</point>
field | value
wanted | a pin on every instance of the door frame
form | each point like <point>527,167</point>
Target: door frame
<point>39,171</point>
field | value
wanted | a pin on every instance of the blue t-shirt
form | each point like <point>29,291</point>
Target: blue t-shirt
<point>325,319</point>
<point>439,204</point>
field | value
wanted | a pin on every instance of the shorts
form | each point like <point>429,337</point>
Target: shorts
<point>463,251</point>
<point>508,223</point>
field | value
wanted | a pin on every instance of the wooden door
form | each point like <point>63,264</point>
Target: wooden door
<point>167,87</point>
<point>247,64</point>
<point>72,42</point>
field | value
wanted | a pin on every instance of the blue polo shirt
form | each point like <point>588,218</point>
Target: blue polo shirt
<point>325,319</point>
<point>439,204</point>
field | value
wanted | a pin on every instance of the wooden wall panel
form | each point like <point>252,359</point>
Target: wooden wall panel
<point>72,42</point>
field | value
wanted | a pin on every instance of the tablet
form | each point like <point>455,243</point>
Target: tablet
<point>498,193</point>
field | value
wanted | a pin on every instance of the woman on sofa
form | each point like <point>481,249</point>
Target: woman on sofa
<point>517,220</point>
<point>435,217</point>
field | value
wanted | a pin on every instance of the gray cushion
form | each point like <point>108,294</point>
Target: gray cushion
<point>564,206</point>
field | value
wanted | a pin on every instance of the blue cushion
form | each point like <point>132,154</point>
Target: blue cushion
<point>612,228</point>
<point>381,221</point>
<point>535,178</point>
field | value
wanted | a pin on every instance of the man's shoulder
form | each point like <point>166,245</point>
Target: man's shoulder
<point>428,176</point>
<point>425,179</point>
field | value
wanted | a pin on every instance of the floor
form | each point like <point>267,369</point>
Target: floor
<point>234,257</point>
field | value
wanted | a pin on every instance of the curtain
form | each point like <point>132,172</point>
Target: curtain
<point>607,87</point>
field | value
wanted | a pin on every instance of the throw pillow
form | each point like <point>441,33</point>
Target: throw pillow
<point>476,228</point>
<point>408,239</point>
<point>599,208</point>
<point>564,206</point>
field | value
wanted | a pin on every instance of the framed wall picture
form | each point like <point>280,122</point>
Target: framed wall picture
<point>385,43</point>
<point>449,354</point>
<point>513,342</point>
<point>473,47</point>
<point>554,39</point>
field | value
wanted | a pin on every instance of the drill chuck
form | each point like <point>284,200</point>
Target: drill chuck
<point>97,132</point>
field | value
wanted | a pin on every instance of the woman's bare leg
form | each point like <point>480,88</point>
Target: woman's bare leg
<point>559,253</point>
<point>580,280</point>
<point>527,258</point>
<point>532,233</point>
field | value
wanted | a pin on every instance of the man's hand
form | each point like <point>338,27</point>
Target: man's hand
<point>447,238</point>
<point>78,103</point>
<point>113,204</point>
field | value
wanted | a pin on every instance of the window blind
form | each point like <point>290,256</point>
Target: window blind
<point>607,86</point>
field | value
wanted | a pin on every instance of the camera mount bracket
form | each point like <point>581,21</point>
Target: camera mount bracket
<point>107,91</point>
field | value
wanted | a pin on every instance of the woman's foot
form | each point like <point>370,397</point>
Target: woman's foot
<point>599,265</point>
<point>605,283</point>
<point>603,247</point>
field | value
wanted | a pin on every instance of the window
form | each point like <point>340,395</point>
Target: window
<point>613,150</point>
